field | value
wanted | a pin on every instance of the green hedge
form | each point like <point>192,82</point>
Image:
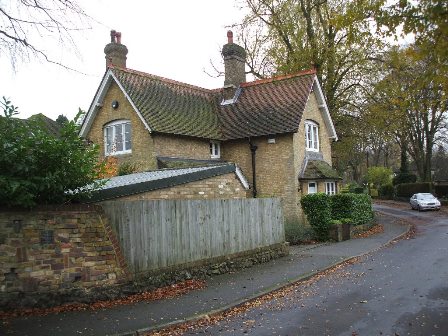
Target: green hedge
<point>387,191</point>
<point>409,189</point>
<point>318,211</point>
<point>441,190</point>
<point>358,207</point>
<point>404,178</point>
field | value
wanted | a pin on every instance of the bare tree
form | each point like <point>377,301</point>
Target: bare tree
<point>26,26</point>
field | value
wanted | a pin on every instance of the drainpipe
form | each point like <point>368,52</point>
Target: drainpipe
<point>253,149</point>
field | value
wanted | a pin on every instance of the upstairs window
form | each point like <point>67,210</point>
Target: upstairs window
<point>117,137</point>
<point>311,136</point>
<point>215,150</point>
<point>330,188</point>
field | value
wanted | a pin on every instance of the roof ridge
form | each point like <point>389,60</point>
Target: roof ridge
<point>278,78</point>
<point>163,79</point>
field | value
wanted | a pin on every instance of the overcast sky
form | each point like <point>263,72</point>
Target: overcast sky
<point>170,38</point>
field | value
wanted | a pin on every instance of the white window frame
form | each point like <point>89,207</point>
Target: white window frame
<point>311,136</point>
<point>315,187</point>
<point>215,149</point>
<point>330,188</point>
<point>112,126</point>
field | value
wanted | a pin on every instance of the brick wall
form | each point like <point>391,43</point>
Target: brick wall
<point>57,249</point>
<point>223,186</point>
<point>142,144</point>
<point>181,147</point>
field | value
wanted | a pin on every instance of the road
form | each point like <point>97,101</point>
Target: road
<point>399,290</point>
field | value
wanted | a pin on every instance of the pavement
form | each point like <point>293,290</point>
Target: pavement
<point>221,293</point>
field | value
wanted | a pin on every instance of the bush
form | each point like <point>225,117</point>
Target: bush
<point>387,191</point>
<point>296,233</point>
<point>39,167</point>
<point>441,190</point>
<point>379,176</point>
<point>409,189</point>
<point>317,208</point>
<point>127,168</point>
<point>356,207</point>
<point>404,178</point>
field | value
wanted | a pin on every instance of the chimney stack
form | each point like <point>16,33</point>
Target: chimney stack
<point>115,51</point>
<point>234,62</point>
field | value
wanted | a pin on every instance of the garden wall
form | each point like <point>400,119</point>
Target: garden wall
<point>57,248</point>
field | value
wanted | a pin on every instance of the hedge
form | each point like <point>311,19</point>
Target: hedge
<point>318,211</point>
<point>358,207</point>
<point>441,191</point>
<point>387,191</point>
<point>409,189</point>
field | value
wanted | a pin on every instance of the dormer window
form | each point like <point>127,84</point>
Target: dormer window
<point>117,138</point>
<point>215,150</point>
<point>311,136</point>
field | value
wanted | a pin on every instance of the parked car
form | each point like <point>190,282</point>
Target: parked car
<point>424,201</point>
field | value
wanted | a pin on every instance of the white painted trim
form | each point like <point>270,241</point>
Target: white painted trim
<point>96,104</point>
<point>214,144</point>
<point>316,186</point>
<point>241,177</point>
<point>324,108</point>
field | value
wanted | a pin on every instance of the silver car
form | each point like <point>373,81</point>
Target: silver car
<point>424,201</point>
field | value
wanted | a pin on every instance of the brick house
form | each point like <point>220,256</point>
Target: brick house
<point>278,131</point>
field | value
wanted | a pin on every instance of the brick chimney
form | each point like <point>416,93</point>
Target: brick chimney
<point>115,51</point>
<point>234,62</point>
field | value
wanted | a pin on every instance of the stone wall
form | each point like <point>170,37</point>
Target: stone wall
<point>223,186</point>
<point>55,249</point>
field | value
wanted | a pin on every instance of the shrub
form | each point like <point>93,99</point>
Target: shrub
<point>39,167</point>
<point>296,233</point>
<point>317,208</point>
<point>379,176</point>
<point>356,208</point>
<point>441,190</point>
<point>404,178</point>
<point>387,191</point>
<point>127,168</point>
<point>409,189</point>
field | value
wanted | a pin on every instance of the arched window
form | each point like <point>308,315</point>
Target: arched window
<point>117,137</point>
<point>312,136</point>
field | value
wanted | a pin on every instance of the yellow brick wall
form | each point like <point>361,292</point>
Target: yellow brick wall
<point>181,146</point>
<point>223,187</point>
<point>142,143</point>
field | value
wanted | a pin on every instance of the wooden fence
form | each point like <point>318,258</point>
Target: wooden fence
<point>161,233</point>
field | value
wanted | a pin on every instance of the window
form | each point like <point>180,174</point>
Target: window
<point>312,136</point>
<point>330,188</point>
<point>215,150</point>
<point>117,137</point>
<point>312,187</point>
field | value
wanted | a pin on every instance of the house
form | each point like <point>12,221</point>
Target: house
<point>278,131</point>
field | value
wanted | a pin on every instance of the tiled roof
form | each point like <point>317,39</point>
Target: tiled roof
<point>267,107</point>
<point>171,107</point>
<point>49,125</point>
<point>125,185</point>
<point>318,169</point>
<point>264,107</point>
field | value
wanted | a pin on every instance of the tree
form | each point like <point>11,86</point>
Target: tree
<point>24,24</point>
<point>411,103</point>
<point>379,176</point>
<point>286,36</point>
<point>61,119</point>
<point>39,167</point>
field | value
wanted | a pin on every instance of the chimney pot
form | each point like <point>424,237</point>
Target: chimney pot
<point>229,36</point>
<point>113,33</point>
<point>118,37</point>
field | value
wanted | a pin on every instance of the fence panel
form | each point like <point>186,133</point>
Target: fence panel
<point>160,233</point>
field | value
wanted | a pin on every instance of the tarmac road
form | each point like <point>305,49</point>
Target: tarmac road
<point>401,289</point>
